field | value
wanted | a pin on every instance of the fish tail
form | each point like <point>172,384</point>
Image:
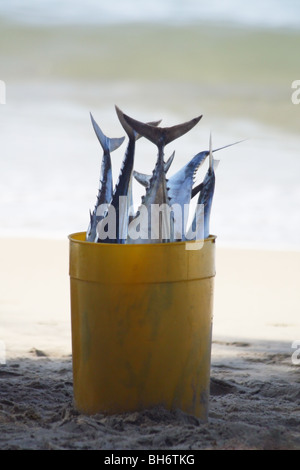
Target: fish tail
<point>108,144</point>
<point>161,136</point>
<point>128,129</point>
<point>114,143</point>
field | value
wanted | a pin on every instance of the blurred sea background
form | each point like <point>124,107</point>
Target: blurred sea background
<point>233,62</point>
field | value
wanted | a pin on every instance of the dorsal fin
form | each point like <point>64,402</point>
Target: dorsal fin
<point>144,179</point>
<point>169,162</point>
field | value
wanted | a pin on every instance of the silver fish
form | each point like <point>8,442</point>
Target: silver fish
<point>199,228</point>
<point>144,179</point>
<point>180,184</point>
<point>184,176</point>
<point>123,191</point>
<point>157,191</point>
<point>105,191</point>
<point>204,204</point>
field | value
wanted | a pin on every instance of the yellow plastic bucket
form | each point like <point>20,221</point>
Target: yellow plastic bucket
<point>141,325</point>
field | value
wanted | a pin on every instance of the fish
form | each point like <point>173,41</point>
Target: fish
<point>144,179</point>
<point>161,216</point>
<point>105,190</point>
<point>200,227</point>
<point>157,190</point>
<point>180,186</point>
<point>206,193</point>
<point>121,201</point>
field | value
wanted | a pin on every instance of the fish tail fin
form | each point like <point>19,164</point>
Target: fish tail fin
<point>115,143</point>
<point>108,144</point>
<point>128,128</point>
<point>161,136</point>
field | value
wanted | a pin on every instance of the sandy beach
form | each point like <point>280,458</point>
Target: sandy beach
<point>254,399</point>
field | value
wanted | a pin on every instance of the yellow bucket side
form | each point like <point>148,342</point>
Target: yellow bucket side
<point>139,344</point>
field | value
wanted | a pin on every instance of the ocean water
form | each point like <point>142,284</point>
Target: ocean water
<point>265,13</point>
<point>169,60</point>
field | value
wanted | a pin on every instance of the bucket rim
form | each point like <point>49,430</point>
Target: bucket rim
<point>79,237</point>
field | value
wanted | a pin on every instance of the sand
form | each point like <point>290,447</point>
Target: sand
<point>255,393</point>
